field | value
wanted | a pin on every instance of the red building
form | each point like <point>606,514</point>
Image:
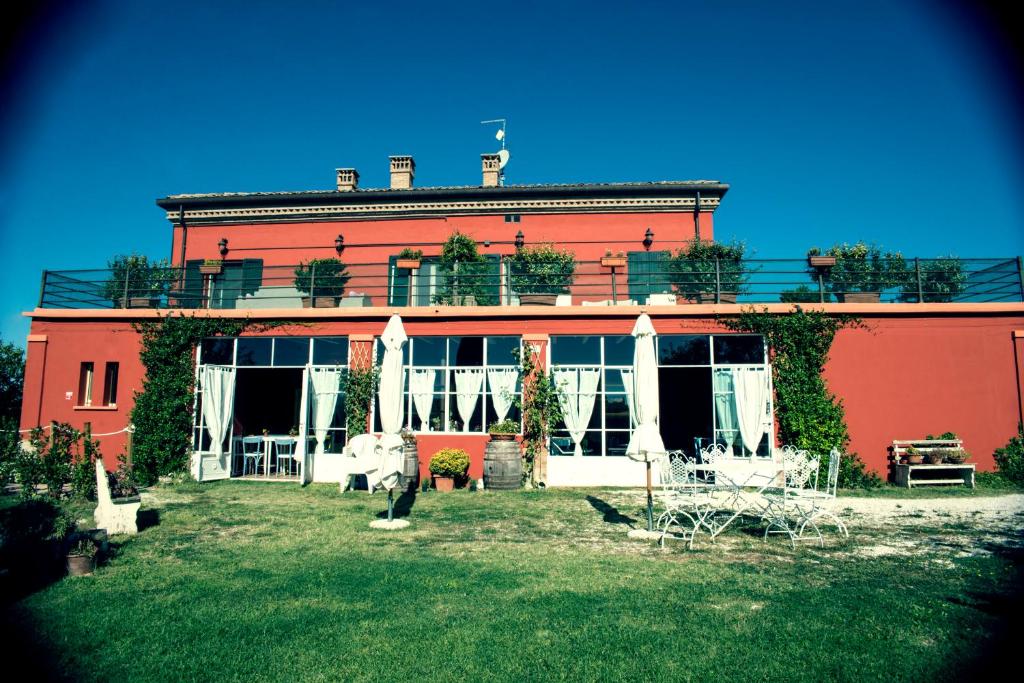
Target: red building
<point>913,369</point>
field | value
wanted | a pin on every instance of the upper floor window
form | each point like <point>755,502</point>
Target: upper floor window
<point>85,379</point>
<point>512,218</point>
<point>110,384</point>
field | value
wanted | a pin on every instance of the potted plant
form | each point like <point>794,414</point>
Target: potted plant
<point>137,282</point>
<point>935,457</point>
<point>616,260</point>
<point>79,547</point>
<point>954,456</point>
<point>464,273</point>
<point>409,258</point>
<point>540,273</point>
<point>703,270</point>
<point>506,430</point>
<point>446,465</point>
<point>941,280</point>
<point>861,271</point>
<point>913,456</point>
<point>211,266</point>
<point>323,280</point>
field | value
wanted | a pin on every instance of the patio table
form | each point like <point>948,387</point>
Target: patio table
<point>743,495</point>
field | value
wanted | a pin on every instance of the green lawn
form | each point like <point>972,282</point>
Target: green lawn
<point>268,582</point>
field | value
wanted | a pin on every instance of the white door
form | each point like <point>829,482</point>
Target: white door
<point>302,447</point>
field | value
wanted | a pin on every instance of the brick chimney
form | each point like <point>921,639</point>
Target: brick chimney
<point>348,179</point>
<point>403,170</point>
<point>492,169</point>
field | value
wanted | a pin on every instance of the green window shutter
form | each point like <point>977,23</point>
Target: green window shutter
<point>192,289</point>
<point>227,286</point>
<point>252,275</point>
<point>647,273</point>
<point>398,284</point>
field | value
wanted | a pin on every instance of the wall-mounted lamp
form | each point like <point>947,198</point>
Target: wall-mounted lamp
<point>648,238</point>
<point>520,239</point>
<point>339,244</point>
<point>223,244</point>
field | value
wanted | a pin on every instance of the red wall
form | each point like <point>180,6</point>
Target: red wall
<point>901,377</point>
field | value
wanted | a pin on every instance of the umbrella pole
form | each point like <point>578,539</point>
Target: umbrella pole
<point>650,499</point>
<point>391,505</point>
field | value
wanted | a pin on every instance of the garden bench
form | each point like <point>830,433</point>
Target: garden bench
<point>908,476</point>
<point>116,515</point>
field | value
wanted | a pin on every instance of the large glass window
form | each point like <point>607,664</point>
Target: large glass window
<point>459,384</point>
<point>709,387</point>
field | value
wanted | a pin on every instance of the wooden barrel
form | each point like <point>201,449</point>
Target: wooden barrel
<point>503,466</point>
<point>411,466</point>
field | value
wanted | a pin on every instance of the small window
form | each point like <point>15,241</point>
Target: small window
<point>512,218</point>
<point>110,385</point>
<point>85,384</point>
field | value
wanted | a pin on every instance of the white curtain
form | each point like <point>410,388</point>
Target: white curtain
<point>468,384</point>
<point>627,381</point>
<point>725,406</point>
<point>576,398</point>
<point>645,443</point>
<point>392,377</point>
<point>326,382</point>
<point>421,385</point>
<point>218,384</point>
<point>503,389</point>
<point>751,387</point>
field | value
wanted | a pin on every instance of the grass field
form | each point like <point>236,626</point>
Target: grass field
<point>269,582</point>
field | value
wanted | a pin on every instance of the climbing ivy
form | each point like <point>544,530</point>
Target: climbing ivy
<point>359,385</point>
<point>539,405</point>
<point>808,415</point>
<point>163,408</point>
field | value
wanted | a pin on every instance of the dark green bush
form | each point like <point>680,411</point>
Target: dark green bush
<point>693,269</point>
<point>322,277</point>
<point>1010,458</point>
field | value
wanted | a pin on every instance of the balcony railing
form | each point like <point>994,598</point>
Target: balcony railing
<point>647,279</point>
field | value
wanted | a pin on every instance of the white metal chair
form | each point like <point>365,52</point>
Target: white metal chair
<point>816,504</point>
<point>252,451</point>
<point>783,512</point>
<point>686,496</point>
<point>284,450</point>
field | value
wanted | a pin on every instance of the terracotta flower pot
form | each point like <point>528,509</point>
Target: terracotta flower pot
<point>538,299</point>
<point>709,298</point>
<point>502,437</point>
<point>915,459</point>
<point>410,263</point>
<point>444,484</point>
<point>81,565</point>
<point>859,297</point>
<point>821,261</point>
<point>613,261</point>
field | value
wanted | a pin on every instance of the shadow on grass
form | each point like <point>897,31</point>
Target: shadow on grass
<point>147,519</point>
<point>611,514</point>
<point>29,559</point>
<point>403,505</point>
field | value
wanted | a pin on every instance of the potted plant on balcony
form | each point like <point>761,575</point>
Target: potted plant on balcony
<point>861,271</point>
<point>613,260</point>
<point>409,258</point>
<point>540,273</point>
<point>446,465</point>
<point>323,280</point>
<point>942,279</point>
<point>701,269</point>
<point>211,266</point>
<point>137,282</point>
<point>465,273</point>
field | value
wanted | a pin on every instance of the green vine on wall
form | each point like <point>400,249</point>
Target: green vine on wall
<point>807,414</point>
<point>163,408</point>
<point>359,385</point>
<point>539,405</point>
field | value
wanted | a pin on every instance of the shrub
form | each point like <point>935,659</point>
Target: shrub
<point>506,426</point>
<point>542,269</point>
<point>1010,458</point>
<point>449,462</point>
<point>410,253</point>
<point>861,267</point>
<point>693,269</point>
<point>942,279</point>
<point>327,276</point>
<point>136,276</point>
<point>83,470</point>
<point>465,272</point>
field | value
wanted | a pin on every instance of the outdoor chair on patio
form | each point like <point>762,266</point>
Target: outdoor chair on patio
<point>252,451</point>
<point>284,454</point>
<point>815,504</point>
<point>686,497</point>
<point>784,512</point>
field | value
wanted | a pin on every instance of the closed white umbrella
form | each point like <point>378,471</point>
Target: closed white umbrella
<point>392,409</point>
<point>645,444</point>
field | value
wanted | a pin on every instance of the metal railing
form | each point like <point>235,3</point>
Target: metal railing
<point>651,279</point>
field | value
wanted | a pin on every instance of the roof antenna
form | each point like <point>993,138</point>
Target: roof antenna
<point>503,154</point>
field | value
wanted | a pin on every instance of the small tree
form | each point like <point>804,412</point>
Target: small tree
<point>861,267</point>
<point>942,279</point>
<point>322,277</point>
<point>540,408</point>
<point>464,272</point>
<point>700,267</point>
<point>135,276</point>
<point>12,380</point>
<point>542,269</point>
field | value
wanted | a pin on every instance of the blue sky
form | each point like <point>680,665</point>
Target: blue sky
<point>886,121</point>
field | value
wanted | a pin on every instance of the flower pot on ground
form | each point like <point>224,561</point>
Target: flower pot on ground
<point>322,280</point>
<point>444,484</point>
<point>503,457</point>
<point>702,268</point>
<point>540,273</point>
<point>448,463</point>
<point>861,271</point>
